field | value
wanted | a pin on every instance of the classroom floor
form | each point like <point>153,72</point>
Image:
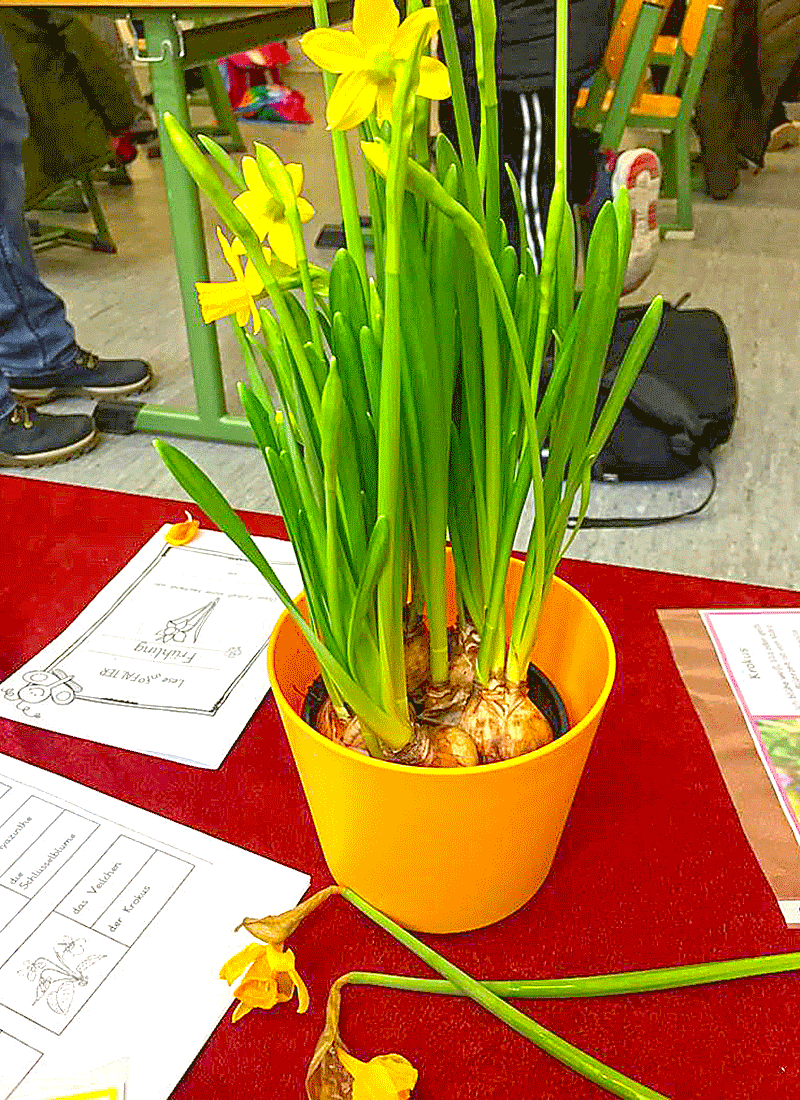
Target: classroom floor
<point>744,262</point>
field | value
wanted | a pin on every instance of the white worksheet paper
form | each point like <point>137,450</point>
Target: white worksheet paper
<point>168,660</point>
<point>114,923</point>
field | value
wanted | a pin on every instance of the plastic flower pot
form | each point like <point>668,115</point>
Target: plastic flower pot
<point>451,849</point>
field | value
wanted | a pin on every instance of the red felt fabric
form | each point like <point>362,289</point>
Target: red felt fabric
<point>653,869</point>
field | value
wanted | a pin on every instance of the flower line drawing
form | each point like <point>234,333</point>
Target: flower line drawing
<point>56,981</point>
<point>178,630</point>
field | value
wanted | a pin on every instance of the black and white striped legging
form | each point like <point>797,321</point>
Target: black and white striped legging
<point>527,139</point>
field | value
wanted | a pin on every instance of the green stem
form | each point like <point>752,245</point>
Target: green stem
<point>615,1083</point>
<point>390,597</point>
<point>331,418</point>
<point>596,985</point>
<point>344,169</point>
<point>466,143</point>
<point>561,92</point>
<point>484,21</point>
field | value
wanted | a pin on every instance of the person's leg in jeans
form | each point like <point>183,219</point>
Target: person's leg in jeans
<point>34,332</point>
<point>33,325</point>
<point>39,358</point>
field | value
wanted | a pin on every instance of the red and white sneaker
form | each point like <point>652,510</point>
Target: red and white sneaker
<point>640,171</point>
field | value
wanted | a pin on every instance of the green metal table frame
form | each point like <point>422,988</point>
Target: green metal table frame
<point>169,50</point>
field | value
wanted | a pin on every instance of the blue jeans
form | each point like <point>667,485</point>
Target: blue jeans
<point>35,336</point>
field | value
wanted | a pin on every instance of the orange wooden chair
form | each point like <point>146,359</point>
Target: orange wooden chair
<point>670,112</point>
<point>618,85</point>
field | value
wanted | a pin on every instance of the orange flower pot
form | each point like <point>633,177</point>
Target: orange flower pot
<point>449,850</point>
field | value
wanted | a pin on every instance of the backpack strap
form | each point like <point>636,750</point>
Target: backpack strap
<point>605,522</point>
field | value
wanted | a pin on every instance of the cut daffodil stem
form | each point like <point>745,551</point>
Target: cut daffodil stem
<point>599,985</point>
<point>615,1083</point>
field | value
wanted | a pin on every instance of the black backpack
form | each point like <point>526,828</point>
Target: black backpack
<point>680,409</point>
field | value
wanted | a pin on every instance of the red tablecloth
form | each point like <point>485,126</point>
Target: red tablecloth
<point>653,869</point>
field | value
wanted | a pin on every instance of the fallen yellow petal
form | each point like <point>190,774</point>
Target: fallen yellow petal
<point>181,533</point>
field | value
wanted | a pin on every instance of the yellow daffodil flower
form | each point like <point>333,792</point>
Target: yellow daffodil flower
<point>181,533</point>
<point>387,1077</point>
<point>368,58</point>
<point>225,299</point>
<point>267,215</point>
<point>269,978</point>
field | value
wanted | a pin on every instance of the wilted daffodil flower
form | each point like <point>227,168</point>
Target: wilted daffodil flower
<point>219,300</point>
<point>267,214</point>
<point>333,1071</point>
<point>270,978</point>
<point>277,929</point>
<point>367,60</point>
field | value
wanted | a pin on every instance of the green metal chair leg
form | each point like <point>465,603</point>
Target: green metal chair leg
<point>669,186</point>
<point>45,235</point>
<point>210,421</point>
<point>676,154</point>
<point>221,105</point>
<point>68,199</point>
<point>104,241</point>
<point>683,166</point>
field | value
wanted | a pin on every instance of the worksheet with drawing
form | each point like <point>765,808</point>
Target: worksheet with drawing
<point>168,659</point>
<point>113,925</point>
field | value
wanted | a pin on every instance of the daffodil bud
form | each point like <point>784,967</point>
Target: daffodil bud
<point>332,416</point>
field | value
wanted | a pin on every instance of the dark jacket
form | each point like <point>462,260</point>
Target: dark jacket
<point>74,91</point>
<point>754,52</point>
<point>526,39</point>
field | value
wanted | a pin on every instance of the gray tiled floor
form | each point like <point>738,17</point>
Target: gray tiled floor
<point>744,262</point>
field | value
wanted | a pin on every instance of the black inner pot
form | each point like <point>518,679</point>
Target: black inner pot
<point>540,691</point>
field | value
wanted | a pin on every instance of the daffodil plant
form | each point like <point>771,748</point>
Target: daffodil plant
<point>405,410</point>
